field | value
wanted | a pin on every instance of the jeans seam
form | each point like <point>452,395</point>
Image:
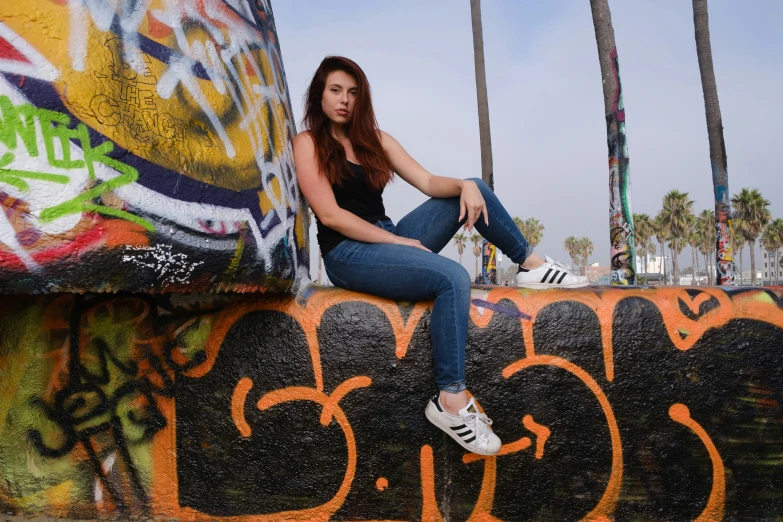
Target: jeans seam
<point>333,277</point>
<point>460,371</point>
<point>433,227</point>
<point>497,219</point>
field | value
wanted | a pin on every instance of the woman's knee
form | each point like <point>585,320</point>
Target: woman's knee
<point>480,184</point>
<point>455,277</point>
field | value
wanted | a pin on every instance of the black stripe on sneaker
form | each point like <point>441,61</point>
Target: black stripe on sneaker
<point>562,277</point>
<point>457,428</point>
<point>557,273</point>
<point>437,403</point>
<point>543,279</point>
<point>470,439</point>
<point>466,432</point>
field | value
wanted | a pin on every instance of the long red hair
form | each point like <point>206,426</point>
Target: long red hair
<point>362,128</point>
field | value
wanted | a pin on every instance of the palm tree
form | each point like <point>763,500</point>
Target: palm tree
<point>651,250</point>
<point>521,226</point>
<point>706,226</point>
<point>481,93</point>
<point>585,250</point>
<point>777,241</point>
<point>676,213</point>
<point>642,234</point>
<point>460,240</point>
<point>660,231</point>
<point>535,231</point>
<point>621,223</point>
<point>476,240</point>
<point>767,242</point>
<point>738,239</point>
<point>752,208</point>
<point>571,245</point>
<point>724,263</point>
<point>693,240</point>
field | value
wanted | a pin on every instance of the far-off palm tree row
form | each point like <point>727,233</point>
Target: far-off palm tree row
<point>580,249</point>
<point>621,223</point>
<point>677,225</point>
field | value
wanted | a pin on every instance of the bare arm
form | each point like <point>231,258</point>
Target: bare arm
<point>320,196</point>
<point>471,201</point>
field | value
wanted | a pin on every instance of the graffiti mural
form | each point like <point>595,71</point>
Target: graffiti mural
<point>613,404</point>
<point>149,148</point>
<point>723,230</point>
<point>620,214</point>
<point>489,265</point>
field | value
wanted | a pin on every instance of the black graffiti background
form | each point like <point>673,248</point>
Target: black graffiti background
<point>730,380</point>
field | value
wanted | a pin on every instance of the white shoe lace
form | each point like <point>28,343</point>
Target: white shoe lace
<point>558,264</point>
<point>476,419</point>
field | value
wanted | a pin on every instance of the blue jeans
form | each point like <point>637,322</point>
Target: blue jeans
<point>405,273</point>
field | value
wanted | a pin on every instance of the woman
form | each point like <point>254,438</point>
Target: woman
<point>343,161</point>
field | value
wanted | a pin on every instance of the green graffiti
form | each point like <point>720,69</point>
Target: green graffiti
<point>55,129</point>
<point>15,177</point>
<point>17,121</point>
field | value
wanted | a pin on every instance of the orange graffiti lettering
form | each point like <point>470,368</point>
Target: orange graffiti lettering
<point>713,512</point>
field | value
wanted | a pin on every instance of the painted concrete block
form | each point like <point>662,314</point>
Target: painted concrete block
<point>146,146</point>
<point>613,404</point>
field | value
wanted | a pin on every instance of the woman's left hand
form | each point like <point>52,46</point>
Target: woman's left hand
<point>472,205</point>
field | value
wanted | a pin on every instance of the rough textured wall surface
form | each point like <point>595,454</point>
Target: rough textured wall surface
<point>613,404</point>
<point>145,146</point>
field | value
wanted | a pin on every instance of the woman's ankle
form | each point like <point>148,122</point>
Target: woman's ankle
<point>453,402</point>
<point>532,261</point>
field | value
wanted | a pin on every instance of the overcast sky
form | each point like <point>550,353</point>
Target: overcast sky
<point>546,103</point>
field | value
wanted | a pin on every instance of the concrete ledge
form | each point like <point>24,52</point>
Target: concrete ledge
<point>640,403</point>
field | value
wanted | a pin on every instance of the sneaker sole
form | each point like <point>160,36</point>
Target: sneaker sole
<point>448,431</point>
<point>552,285</point>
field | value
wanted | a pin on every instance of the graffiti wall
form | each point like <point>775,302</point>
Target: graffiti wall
<point>613,404</point>
<point>623,271</point>
<point>145,145</point>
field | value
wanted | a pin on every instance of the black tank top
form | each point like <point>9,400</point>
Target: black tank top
<point>357,197</point>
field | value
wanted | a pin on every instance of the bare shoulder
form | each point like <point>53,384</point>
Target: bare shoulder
<point>304,140</point>
<point>386,137</point>
<point>387,141</point>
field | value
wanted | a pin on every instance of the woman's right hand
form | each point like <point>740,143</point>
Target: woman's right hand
<point>415,243</point>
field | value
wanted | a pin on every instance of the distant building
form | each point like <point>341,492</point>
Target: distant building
<point>653,265</point>
<point>771,273</point>
<point>595,271</point>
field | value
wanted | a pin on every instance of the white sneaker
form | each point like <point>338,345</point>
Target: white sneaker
<point>471,429</point>
<point>550,275</point>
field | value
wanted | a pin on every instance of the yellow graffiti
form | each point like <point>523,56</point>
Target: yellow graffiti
<point>219,102</point>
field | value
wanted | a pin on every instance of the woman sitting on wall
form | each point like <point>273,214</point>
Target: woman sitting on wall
<point>343,162</point>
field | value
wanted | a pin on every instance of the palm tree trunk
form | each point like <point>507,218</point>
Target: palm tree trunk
<point>664,263</point>
<point>481,93</point>
<point>696,257</point>
<point>477,268</point>
<point>693,266</point>
<point>741,270</point>
<point>724,262</point>
<point>753,263</point>
<point>675,264</point>
<point>706,271</point>
<point>621,255</point>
